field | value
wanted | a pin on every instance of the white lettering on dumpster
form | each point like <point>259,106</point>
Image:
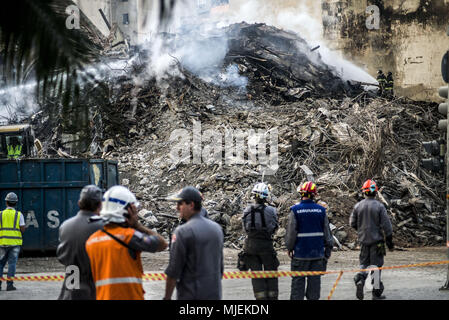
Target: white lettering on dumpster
<point>52,215</point>
<point>31,220</point>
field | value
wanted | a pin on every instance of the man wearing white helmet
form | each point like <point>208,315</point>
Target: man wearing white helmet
<point>12,225</point>
<point>260,222</point>
<point>114,251</point>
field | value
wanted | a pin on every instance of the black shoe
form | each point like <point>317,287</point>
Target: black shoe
<point>381,297</point>
<point>359,291</point>
<point>11,288</point>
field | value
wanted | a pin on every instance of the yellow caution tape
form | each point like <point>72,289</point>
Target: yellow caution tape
<point>34,278</point>
<point>335,285</point>
<point>157,276</point>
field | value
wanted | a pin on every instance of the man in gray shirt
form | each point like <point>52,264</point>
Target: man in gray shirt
<point>196,253</point>
<point>71,251</point>
<point>370,219</point>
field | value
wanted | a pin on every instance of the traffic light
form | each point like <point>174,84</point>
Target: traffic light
<point>442,108</point>
<point>436,149</point>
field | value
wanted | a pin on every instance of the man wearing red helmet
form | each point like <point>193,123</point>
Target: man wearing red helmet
<point>371,221</point>
<point>309,242</point>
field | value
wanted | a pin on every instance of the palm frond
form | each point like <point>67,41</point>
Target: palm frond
<point>34,33</point>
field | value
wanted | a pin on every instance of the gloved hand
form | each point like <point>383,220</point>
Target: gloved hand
<point>389,241</point>
<point>327,252</point>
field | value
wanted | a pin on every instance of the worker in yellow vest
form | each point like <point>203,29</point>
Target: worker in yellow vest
<point>14,149</point>
<point>12,225</point>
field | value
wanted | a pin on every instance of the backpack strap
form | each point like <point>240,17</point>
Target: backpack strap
<point>262,216</point>
<point>131,251</point>
<point>116,239</point>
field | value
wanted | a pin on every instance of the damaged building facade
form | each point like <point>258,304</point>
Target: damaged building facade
<point>410,40</point>
<point>126,14</point>
<point>135,18</point>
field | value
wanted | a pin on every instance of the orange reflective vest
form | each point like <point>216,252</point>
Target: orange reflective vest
<point>116,274</point>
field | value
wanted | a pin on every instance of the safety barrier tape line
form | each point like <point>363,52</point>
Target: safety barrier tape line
<point>240,274</point>
<point>335,285</point>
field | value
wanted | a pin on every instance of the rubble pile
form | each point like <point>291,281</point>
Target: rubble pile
<point>343,142</point>
<point>342,139</point>
<point>282,62</point>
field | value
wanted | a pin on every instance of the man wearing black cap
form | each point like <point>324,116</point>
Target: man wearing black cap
<point>196,253</point>
<point>71,252</point>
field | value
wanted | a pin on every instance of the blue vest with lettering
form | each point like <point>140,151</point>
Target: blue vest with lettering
<point>310,229</point>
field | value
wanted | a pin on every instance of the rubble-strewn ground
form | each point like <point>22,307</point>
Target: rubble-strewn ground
<point>344,135</point>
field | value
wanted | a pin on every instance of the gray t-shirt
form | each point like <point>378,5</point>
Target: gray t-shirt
<point>196,259</point>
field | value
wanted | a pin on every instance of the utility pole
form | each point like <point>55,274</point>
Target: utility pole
<point>443,108</point>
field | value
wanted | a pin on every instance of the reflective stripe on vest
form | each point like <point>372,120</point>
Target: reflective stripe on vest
<point>104,282</point>
<point>10,151</point>
<point>14,152</point>
<point>10,234</point>
<point>310,234</point>
<point>18,150</point>
<point>117,275</point>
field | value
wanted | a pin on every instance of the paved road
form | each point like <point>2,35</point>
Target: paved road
<point>403,284</point>
<point>400,284</point>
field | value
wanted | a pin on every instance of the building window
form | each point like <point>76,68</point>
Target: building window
<point>202,3</point>
<point>125,18</point>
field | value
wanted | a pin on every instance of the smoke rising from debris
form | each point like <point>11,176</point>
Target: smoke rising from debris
<point>197,46</point>
<point>193,40</point>
<point>17,102</point>
<point>302,17</point>
<point>201,49</point>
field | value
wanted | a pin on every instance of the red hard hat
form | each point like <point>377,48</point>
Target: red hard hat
<point>307,188</point>
<point>370,186</point>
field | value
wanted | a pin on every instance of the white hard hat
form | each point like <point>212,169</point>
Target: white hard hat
<point>12,197</point>
<point>261,190</point>
<point>115,204</point>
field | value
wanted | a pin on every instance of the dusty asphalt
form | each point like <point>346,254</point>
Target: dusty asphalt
<point>419,283</point>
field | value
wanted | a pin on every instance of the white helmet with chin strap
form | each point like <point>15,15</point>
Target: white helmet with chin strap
<point>261,190</point>
<point>115,204</point>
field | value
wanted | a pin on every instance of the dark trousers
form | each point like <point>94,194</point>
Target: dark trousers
<point>264,289</point>
<point>371,255</point>
<point>261,256</point>
<point>306,286</point>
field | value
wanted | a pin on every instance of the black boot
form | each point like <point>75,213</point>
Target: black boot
<point>359,283</point>
<point>381,297</point>
<point>10,286</point>
<point>377,294</point>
